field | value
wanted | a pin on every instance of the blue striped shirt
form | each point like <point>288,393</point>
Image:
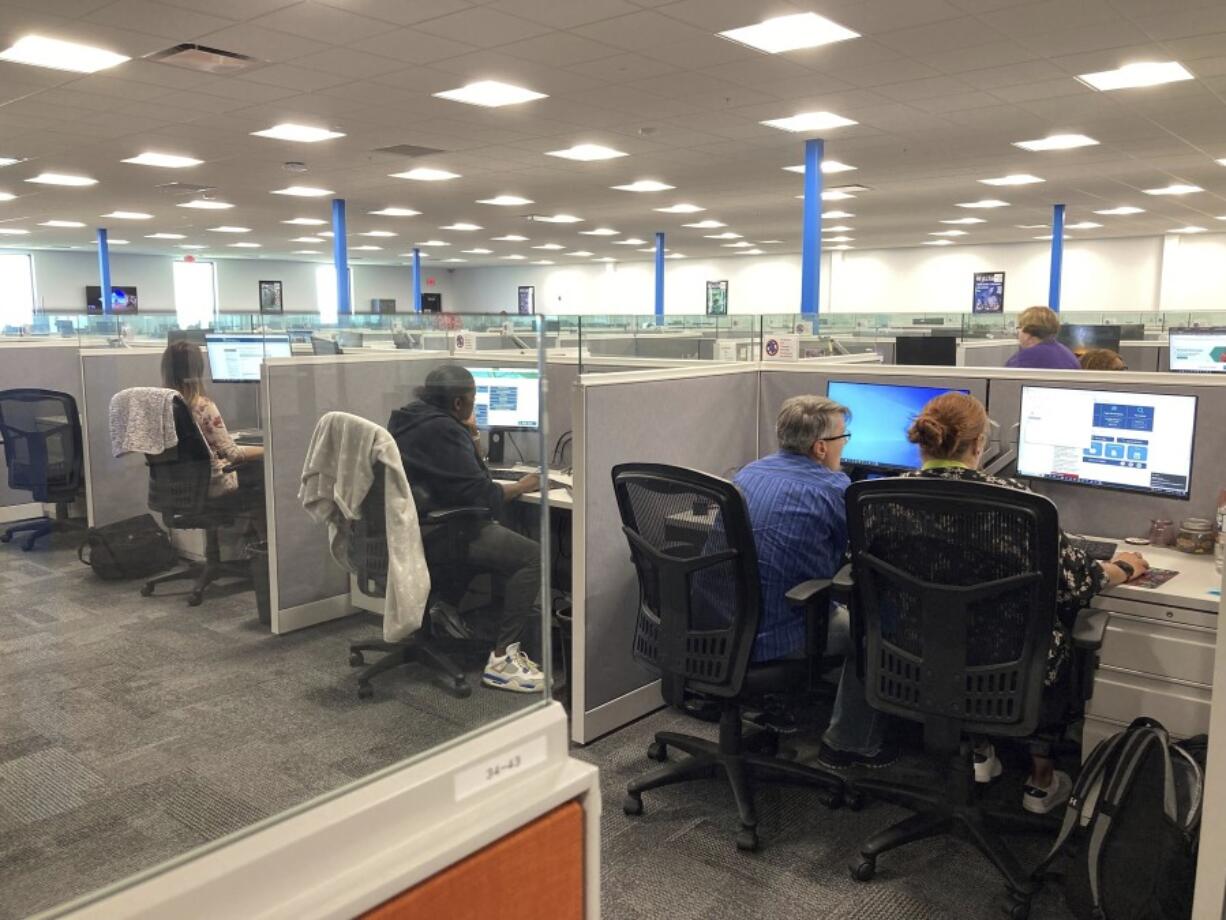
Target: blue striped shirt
<point>800,531</point>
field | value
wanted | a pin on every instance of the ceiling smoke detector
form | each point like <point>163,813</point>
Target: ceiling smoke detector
<point>294,166</point>
<point>208,60</point>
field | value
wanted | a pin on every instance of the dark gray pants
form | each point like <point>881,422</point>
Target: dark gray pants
<point>515,563</point>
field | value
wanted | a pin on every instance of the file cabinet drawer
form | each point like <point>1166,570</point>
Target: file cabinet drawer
<point>1121,696</point>
<point>1162,649</point>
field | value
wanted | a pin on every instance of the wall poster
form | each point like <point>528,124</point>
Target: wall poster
<point>989,296</point>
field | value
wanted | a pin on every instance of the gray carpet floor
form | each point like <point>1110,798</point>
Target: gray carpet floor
<point>135,729</point>
<point>678,860</point>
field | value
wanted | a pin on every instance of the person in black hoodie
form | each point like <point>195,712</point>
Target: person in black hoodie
<point>436,435</point>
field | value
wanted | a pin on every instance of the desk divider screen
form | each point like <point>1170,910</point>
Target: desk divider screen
<point>700,418</point>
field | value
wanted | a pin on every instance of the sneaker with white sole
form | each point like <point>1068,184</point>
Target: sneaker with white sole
<point>987,764</point>
<point>514,671</point>
<point>1040,801</point>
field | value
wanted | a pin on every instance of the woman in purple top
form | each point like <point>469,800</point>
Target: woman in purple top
<point>1036,335</point>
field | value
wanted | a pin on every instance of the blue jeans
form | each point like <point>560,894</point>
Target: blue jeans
<point>855,726</point>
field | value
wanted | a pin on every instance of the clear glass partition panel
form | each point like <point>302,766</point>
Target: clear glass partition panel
<point>150,728</point>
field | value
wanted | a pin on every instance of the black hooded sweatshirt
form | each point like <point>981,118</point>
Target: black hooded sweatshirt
<point>440,457</point>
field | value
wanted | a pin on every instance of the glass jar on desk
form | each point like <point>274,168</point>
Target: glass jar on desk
<point>1195,536</point>
<point>1161,532</point>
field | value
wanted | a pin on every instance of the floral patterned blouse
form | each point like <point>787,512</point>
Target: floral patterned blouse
<point>1080,576</point>
<point>222,446</point>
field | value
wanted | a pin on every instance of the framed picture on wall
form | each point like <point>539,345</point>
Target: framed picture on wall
<point>271,297</point>
<point>717,298</point>
<point>527,299</point>
<point>989,293</point>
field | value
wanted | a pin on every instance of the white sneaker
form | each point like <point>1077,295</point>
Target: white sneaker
<point>514,671</point>
<point>987,764</point>
<point>1041,801</point>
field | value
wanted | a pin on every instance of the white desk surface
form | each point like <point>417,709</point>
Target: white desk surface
<point>558,498</point>
<point>1196,587</point>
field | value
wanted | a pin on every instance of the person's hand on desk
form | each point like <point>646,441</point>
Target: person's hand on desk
<point>252,453</point>
<point>1119,574</point>
<point>530,483</point>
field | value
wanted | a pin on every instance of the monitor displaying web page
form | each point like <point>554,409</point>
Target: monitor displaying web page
<point>1199,351</point>
<point>237,358</point>
<point>881,414</point>
<point>507,397</point>
<point>1140,442</point>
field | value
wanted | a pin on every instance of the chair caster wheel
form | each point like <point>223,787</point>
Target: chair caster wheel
<point>832,800</point>
<point>747,840</point>
<point>356,660</point>
<point>146,590</point>
<point>632,804</point>
<point>1017,908</point>
<point>463,690</point>
<point>195,598</point>
<point>864,870</point>
<point>6,538</point>
<point>657,751</point>
<point>854,800</point>
<point>365,691</point>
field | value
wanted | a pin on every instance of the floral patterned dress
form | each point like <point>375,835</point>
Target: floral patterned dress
<point>1080,576</point>
<point>222,446</point>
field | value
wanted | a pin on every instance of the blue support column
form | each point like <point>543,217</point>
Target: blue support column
<point>104,269</point>
<point>811,237</point>
<point>1057,256</point>
<point>659,276</point>
<point>416,280</point>
<point>340,256</point>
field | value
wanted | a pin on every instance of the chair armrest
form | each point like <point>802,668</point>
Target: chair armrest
<point>844,584</point>
<point>447,515</point>
<point>807,592</point>
<point>1089,629</point>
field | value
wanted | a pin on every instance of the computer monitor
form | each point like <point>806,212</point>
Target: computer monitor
<point>237,358</point>
<point>1132,332</point>
<point>348,339</point>
<point>123,299</point>
<point>1138,442</point>
<point>1201,351</point>
<point>321,346</point>
<point>1081,338</point>
<point>940,350</point>
<point>881,414</point>
<point>195,336</point>
<point>508,397</point>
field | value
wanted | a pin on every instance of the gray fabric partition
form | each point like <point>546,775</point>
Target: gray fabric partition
<point>977,353</point>
<point>1120,514</point>
<point>1145,356</point>
<point>45,366</point>
<point>634,419</point>
<point>117,487</point>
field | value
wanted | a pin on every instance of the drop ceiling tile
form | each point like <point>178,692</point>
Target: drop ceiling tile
<point>558,49</point>
<point>401,12</point>
<point>1043,89</point>
<point>563,14</point>
<point>721,15</point>
<point>483,27</point>
<point>346,62</point>
<point>705,51</point>
<point>952,35</point>
<point>263,44</point>
<point>977,57</point>
<point>200,102</point>
<point>639,31</point>
<point>290,76</point>
<point>1080,41</point>
<point>879,16</point>
<point>1184,24</point>
<point>322,23</point>
<point>629,99</point>
<point>157,19</point>
<point>240,10</point>
<point>620,68</point>
<point>68,8</point>
<point>412,46</point>
<point>958,102</point>
<point>1009,75</point>
<point>921,89</point>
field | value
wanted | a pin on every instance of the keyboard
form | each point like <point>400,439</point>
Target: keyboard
<point>1102,550</point>
<point>251,437</point>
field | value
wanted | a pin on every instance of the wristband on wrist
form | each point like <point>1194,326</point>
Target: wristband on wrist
<point>1126,568</point>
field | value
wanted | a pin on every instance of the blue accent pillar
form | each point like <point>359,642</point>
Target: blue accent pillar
<point>811,237</point>
<point>416,280</point>
<point>1057,256</point>
<point>340,257</point>
<point>660,276</point>
<point>104,270</point>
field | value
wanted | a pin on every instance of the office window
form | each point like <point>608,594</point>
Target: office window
<point>17,285</point>
<point>325,291</point>
<point>195,293</point>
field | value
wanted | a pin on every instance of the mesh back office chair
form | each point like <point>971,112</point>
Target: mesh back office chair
<point>322,346</point>
<point>692,546</point>
<point>954,599</point>
<point>179,490</point>
<point>42,450</point>
<point>445,535</point>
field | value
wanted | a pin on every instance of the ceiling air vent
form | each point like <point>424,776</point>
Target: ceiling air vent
<point>408,150</point>
<point>207,60</point>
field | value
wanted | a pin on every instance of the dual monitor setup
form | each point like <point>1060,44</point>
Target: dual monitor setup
<point>1135,442</point>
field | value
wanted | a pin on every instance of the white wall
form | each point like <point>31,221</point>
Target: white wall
<point>60,279</point>
<point>1194,273</point>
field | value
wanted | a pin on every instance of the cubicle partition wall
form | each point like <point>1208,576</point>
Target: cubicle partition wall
<point>703,418</point>
<point>47,365</point>
<point>1147,356</point>
<point>985,352</point>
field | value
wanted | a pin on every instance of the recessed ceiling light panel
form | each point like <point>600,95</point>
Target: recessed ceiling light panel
<point>129,215</point>
<point>395,212</point>
<point>305,221</point>
<point>61,223</point>
<point>505,201</point>
<point>828,167</point>
<point>225,229</point>
<point>682,208</point>
<point>984,203</point>
<point>1174,189</point>
<point>1057,142</point>
<point>303,134</point>
<point>164,160</point>
<point>808,122</point>
<point>964,220</point>
<point>790,33</point>
<point>39,51</point>
<point>558,219</point>
<point>705,225</point>
<point>587,153</point>
<point>426,174</point>
<point>600,231</point>
<point>462,226</point>
<point>53,178</point>
<point>1015,179</point>
<point>644,185</point>
<point>1121,211</point>
<point>165,236</point>
<point>1133,76</point>
<point>490,94</point>
<point>303,191</point>
<point>208,204</point>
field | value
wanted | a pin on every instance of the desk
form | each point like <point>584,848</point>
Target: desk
<point>1157,655</point>
<point>562,499</point>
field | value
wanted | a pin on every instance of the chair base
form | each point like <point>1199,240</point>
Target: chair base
<point>742,759</point>
<point>203,574</point>
<point>37,528</point>
<point>402,654</point>
<point>953,811</point>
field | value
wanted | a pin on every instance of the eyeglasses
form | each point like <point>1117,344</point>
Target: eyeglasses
<point>845,436</point>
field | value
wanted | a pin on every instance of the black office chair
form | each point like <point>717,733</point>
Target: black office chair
<point>322,346</point>
<point>179,490</point>
<point>692,546</point>
<point>953,598</point>
<point>42,450</point>
<point>446,534</point>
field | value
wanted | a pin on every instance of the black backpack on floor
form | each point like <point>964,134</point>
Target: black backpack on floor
<point>1131,827</point>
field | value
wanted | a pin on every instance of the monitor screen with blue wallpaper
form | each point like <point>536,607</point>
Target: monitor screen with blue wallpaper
<point>881,413</point>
